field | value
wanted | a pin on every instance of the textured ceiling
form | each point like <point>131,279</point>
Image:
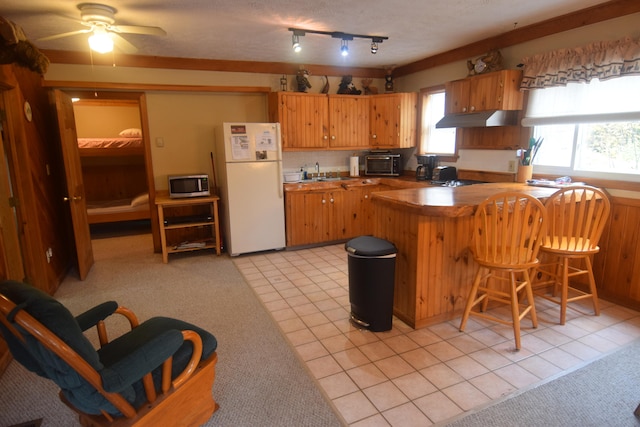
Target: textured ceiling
<point>253,30</point>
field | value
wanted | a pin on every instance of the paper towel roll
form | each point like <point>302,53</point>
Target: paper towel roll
<point>354,166</point>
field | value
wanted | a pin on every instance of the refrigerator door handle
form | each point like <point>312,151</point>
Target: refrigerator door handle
<point>280,172</point>
<point>280,178</point>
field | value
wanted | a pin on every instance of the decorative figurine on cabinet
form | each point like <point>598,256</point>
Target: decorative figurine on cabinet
<point>388,78</point>
<point>492,61</point>
<point>283,83</point>
<point>347,87</point>
<point>325,88</point>
<point>303,79</point>
<point>368,89</point>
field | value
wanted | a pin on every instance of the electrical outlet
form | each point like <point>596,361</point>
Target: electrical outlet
<point>512,166</point>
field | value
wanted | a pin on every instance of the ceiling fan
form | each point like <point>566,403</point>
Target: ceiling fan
<point>100,20</point>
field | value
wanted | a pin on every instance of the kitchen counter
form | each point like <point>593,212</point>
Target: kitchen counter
<point>431,228</point>
<point>401,182</point>
<point>452,201</point>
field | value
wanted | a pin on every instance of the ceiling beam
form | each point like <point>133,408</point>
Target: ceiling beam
<point>164,62</point>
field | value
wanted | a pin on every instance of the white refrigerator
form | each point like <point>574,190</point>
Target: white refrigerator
<point>248,161</point>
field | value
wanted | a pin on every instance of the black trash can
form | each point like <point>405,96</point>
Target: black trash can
<point>372,267</point>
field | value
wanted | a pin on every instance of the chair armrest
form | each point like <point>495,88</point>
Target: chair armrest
<point>140,355</point>
<point>196,355</point>
<point>92,316</point>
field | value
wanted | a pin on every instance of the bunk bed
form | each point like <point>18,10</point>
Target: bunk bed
<point>131,209</point>
<point>115,181</point>
<point>120,146</point>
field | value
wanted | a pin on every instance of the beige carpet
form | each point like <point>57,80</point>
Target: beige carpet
<point>602,393</point>
<point>259,380</point>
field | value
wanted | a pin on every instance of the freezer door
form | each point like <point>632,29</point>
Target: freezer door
<point>250,142</point>
<point>255,219</point>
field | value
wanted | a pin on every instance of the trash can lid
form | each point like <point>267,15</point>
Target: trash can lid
<point>369,245</point>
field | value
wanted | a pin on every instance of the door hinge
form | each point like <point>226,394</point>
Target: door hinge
<point>13,202</point>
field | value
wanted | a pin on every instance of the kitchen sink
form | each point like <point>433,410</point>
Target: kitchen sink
<point>323,179</point>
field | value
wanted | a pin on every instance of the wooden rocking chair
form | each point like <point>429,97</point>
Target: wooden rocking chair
<point>159,373</point>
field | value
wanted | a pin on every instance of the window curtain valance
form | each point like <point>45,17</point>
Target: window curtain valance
<point>601,60</point>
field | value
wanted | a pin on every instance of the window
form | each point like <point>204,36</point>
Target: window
<point>590,130</point>
<point>432,140</point>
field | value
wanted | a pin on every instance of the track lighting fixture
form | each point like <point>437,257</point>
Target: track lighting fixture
<point>344,37</point>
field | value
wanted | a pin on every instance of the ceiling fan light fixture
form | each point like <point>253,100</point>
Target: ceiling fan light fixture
<point>100,41</point>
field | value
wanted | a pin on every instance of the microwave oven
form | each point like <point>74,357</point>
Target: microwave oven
<point>188,186</point>
<point>383,164</point>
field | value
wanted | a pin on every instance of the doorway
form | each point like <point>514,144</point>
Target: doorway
<point>114,173</point>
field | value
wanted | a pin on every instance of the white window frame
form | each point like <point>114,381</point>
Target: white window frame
<point>426,125</point>
<point>572,109</point>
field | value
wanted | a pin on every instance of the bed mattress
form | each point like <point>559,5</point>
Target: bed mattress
<point>119,142</point>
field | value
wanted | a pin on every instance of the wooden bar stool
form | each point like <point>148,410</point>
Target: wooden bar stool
<point>507,233</point>
<point>577,215</point>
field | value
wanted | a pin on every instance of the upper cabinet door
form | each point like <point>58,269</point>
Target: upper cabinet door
<point>348,121</point>
<point>393,120</point>
<point>499,90</point>
<point>303,117</point>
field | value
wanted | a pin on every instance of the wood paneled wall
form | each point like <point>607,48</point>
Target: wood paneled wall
<point>617,266</point>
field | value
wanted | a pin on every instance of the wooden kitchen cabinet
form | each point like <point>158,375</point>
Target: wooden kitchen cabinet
<point>344,122</point>
<point>311,216</point>
<point>498,90</point>
<point>319,121</point>
<point>319,216</point>
<point>348,121</point>
<point>393,120</point>
<point>358,211</point>
<point>303,118</point>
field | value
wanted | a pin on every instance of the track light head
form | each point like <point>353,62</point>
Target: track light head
<point>295,41</point>
<point>374,47</point>
<point>344,48</point>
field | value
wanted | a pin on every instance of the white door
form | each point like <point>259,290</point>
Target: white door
<point>255,206</point>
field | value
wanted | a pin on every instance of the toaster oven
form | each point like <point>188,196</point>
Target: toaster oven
<point>382,164</point>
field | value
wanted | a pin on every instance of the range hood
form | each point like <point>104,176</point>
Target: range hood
<point>481,119</point>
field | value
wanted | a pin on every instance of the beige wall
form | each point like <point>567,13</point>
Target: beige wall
<point>105,121</point>
<point>186,123</point>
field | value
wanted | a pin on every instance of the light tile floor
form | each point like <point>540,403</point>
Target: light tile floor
<point>406,377</point>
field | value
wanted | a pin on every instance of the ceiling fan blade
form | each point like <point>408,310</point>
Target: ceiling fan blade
<point>123,44</point>
<point>70,33</point>
<point>138,29</point>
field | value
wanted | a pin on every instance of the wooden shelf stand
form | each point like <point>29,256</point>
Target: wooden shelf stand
<point>180,232</point>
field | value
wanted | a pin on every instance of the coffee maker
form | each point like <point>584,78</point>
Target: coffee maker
<point>426,165</point>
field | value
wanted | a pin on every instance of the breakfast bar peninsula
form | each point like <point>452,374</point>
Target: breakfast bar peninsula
<point>431,228</point>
